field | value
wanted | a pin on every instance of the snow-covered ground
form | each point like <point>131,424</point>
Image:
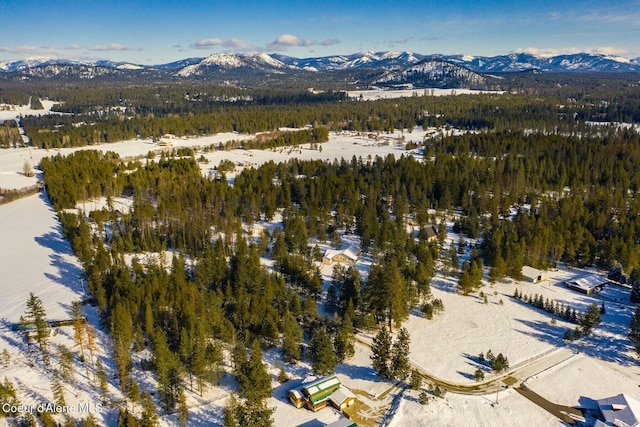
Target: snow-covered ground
<point>35,258</point>
<point>468,326</point>
<point>11,112</point>
<point>372,95</point>
<point>340,145</point>
<point>456,410</point>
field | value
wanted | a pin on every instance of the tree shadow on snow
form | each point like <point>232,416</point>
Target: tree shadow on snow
<point>66,273</point>
<point>45,198</point>
<point>206,416</point>
<point>358,372</point>
<point>312,423</point>
<point>443,285</point>
<point>280,392</point>
<point>466,375</point>
<point>608,347</point>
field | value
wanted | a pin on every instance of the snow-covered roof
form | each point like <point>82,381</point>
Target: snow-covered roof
<point>531,273</point>
<point>620,411</point>
<point>342,422</point>
<point>320,385</point>
<point>296,393</point>
<point>341,395</point>
<point>587,282</point>
<point>349,253</point>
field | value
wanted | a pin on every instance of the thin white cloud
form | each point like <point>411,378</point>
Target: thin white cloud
<point>112,46</point>
<point>403,40</point>
<point>329,42</point>
<point>72,47</point>
<point>285,41</point>
<point>611,51</point>
<point>430,38</point>
<point>32,51</point>
<point>547,52</point>
<point>232,43</point>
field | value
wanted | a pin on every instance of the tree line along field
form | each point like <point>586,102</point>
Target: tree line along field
<point>577,195</point>
<point>92,115</point>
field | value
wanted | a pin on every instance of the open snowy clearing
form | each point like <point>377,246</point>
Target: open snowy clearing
<point>34,257</point>
<point>11,112</point>
<point>521,332</point>
<point>461,411</point>
<point>340,145</point>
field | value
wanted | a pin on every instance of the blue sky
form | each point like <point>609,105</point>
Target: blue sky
<point>160,31</point>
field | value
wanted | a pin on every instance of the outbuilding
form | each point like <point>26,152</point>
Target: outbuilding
<point>587,285</point>
<point>533,275</point>
<point>343,398</point>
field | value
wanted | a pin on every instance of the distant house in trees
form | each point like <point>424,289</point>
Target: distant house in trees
<point>430,234</point>
<point>587,285</point>
<point>320,393</point>
<point>620,410</point>
<point>533,275</point>
<point>345,256</point>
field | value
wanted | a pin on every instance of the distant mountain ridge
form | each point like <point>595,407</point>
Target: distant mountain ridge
<point>432,72</point>
<point>393,68</point>
<point>515,62</point>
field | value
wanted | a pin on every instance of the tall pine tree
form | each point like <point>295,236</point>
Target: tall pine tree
<point>35,315</point>
<point>381,353</point>
<point>400,365</point>
<point>321,353</point>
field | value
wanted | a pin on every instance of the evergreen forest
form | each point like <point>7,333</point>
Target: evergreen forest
<point>533,182</point>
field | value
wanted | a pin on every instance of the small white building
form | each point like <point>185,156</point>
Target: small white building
<point>533,275</point>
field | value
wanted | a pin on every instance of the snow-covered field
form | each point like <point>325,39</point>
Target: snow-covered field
<point>509,326</point>
<point>457,410</point>
<point>11,112</point>
<point>35,258</point>
<point>372,95</point>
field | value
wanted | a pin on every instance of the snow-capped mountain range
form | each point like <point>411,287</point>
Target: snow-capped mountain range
<point>388,68</point>
<point>515,62</point>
